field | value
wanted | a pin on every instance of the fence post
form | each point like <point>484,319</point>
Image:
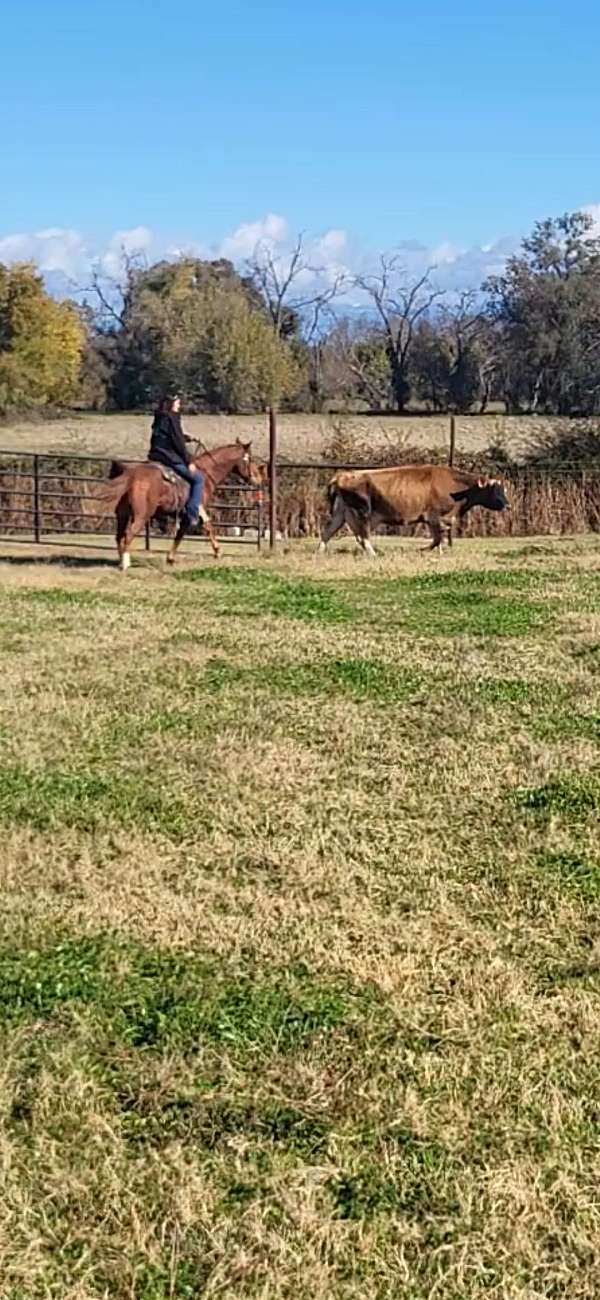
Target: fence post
<point>259,519</point>
<point>147,537</point>
<point>272,477</point>
<point>452,440</point>
<point>37,523</point>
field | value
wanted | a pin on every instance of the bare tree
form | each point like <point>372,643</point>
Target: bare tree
<point>472,362</point>
<point>279,279</point>
<point>399,305</point>
<point>109,294</point>
<point>299,300</point>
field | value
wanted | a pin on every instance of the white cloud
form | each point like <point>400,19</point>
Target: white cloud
<point>444,253</point>
<point>66,257</point>
<point>56,249</point>
<point>125,243</point>
<point>271,230</point>
<point>593,211</point>
<point>16,248</point>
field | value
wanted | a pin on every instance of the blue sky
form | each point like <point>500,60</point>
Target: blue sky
<point>450,123</point>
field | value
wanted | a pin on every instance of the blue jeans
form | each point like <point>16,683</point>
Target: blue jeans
<point>195,478</point>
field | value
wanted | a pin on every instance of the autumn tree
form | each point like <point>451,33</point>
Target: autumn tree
<point>198,327</point>
<point>41,342</point>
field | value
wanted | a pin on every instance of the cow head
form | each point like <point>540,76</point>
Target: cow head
<point>486,492</point>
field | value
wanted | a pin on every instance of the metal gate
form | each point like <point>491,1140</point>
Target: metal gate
<point>45,497</point>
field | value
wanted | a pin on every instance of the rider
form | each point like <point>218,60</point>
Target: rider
<point>168,447</point>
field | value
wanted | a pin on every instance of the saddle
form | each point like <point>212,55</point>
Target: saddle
<point>170,476</point>
<point>182,488</point>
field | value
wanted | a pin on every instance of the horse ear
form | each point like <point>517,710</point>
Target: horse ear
<point>247,445</point>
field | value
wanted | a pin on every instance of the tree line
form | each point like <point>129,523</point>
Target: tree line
<point>276,332</point>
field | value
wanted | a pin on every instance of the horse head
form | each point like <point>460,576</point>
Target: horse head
<point>247,469</point>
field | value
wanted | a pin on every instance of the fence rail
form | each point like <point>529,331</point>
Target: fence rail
<point>46,497</point>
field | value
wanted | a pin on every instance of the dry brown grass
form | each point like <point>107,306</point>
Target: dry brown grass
<point>301,436</point>
<point>298,984</point>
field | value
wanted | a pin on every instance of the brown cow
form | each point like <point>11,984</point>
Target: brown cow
<point>407,494</point>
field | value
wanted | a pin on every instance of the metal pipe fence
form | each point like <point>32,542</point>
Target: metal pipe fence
<point>44,495</point>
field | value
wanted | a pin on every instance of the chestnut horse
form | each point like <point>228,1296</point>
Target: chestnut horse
<point>138,492</point>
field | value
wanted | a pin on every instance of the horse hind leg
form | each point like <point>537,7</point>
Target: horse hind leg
<point>134,527</point>
<point>175,544</point>
<point>123,513</point>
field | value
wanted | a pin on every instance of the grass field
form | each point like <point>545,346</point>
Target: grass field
<point>300,941</point>
<point>301,436</point>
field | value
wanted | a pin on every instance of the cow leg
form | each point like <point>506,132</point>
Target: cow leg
<point>336,521</point>
<point>360,528</point>
<point>437,534</point>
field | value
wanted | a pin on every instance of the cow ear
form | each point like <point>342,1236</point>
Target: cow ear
<point>482,482</point>
<point>460,496</point>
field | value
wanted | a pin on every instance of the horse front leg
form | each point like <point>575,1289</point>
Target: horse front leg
<point>212,537</point>
<point>177,540</point>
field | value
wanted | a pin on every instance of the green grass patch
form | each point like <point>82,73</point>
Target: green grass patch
<point>457,604</point>
<point>575,872</point>
<point>573,797</point>
<point>50,799</point>
<point>415,1177</point>
<point>61,598</point>
<point>359,679</point>
<point>155,999</point>
<point>564,725</point>
<point>253,592</point>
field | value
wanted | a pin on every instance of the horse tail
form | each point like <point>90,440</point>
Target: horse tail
<point>110,494</point>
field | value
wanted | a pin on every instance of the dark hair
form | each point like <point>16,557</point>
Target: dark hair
<point>165,404</point>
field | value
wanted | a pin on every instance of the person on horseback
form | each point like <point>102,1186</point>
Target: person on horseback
<point>168,447</point>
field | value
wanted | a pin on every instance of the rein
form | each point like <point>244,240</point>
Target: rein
<point>217,463</point>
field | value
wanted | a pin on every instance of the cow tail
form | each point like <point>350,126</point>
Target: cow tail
<point>332,493</point>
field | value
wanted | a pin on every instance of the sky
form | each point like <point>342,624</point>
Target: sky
<point>443,129</point>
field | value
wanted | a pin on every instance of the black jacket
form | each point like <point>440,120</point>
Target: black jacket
<point>168,444</point>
